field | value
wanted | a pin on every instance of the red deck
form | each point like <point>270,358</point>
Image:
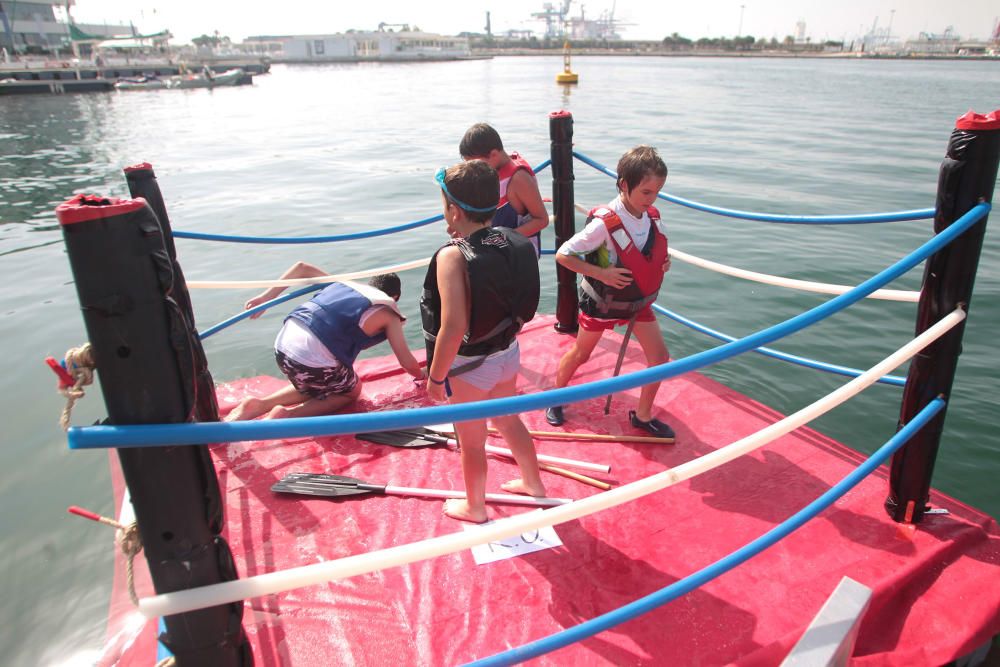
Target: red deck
<point>932,601</point>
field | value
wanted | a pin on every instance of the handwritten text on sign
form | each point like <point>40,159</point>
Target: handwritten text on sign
<point>509,547</point>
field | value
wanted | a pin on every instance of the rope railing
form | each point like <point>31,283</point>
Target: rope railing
<point>285,240</point>
<point>792,283</point>
<point>198,433</point>
<point>776,354</point>
<point>305,575</point>
<point>723,565</point>
<point>867,218</point>
<point>225,324</point>
<point>780,281</point>
<point>316,280</point>
<point>232,238</point>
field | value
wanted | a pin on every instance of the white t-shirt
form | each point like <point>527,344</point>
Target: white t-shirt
<point>595,234</point>
<point>298,343</point>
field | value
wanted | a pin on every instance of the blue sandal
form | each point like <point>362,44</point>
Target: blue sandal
<point>653,426</point>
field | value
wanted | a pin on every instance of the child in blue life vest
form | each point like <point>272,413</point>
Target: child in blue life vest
<point>621,255</point>
<point>480,288</point>
<point>520,206</point>
<point>320,340</point>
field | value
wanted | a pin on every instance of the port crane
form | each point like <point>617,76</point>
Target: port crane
<point>554,17</point>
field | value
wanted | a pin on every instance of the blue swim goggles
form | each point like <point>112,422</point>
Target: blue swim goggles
<point>439,177</point>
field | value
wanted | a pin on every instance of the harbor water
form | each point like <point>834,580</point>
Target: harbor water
<point>318,150</point>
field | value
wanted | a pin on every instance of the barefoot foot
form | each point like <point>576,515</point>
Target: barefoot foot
<point>249,408</point>
<point>458,508</point>
<point>519,486</point>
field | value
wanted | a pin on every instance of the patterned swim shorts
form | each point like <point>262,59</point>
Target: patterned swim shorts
<point>317,382</point>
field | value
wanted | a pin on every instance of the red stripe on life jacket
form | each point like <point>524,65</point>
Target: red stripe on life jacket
<point>506,172</point>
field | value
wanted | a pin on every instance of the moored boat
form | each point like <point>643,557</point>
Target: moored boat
<point>203,79</point>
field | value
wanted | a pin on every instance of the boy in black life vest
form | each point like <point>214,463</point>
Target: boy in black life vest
<point>520,206</point>
<point>622,256</point>
<point>320,340</point>
<point>481,287</point>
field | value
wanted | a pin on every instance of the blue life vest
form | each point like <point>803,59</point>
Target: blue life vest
<point>334,317</point>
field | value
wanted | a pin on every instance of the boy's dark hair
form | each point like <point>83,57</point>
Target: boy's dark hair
<point>478,141</point>
<point>475,184</point>
<point>638,163</point>
<point>388,283</point>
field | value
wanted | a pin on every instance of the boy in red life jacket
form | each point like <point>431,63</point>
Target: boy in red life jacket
<point>521,207</point>
<point>622,256</point>
<point>480,288</point>
<point>320,341</point>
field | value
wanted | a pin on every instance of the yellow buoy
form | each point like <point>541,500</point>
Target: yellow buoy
<point>567,75</point>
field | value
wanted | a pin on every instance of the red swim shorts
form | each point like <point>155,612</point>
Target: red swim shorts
<point>588,323</point>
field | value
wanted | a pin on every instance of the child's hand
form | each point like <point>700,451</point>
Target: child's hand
<point>436,392</point>
<point>666,264</point>
<point>253,303</point>
<point>616,277</point>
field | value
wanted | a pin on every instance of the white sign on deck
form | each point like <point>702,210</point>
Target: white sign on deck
<point>509,547</point>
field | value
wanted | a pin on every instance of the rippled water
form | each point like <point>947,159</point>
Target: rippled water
<point>324,150</point>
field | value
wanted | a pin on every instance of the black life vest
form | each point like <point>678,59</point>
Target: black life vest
<point>504,291</point>
<point>598,299</point>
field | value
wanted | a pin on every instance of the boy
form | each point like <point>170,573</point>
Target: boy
<point>622,256</point>
<point>520,207</point>
<point>320,340</point>
<point>481,287</point>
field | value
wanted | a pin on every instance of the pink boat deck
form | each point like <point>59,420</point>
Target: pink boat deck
<point>935,586</point>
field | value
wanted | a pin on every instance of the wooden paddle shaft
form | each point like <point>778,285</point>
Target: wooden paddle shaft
<point>544,458</point>
<point>572,475</point>
<point>596,437</point>
<point>557,460</point>
<point>509,498</point>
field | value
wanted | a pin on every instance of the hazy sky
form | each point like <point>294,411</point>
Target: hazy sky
<point>824,19</point>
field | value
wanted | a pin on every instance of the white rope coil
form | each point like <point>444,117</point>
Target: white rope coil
<point>300,282</point>
<point>306,575</point>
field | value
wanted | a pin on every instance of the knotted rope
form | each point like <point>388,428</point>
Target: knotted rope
<point>79,364</point>
<point>128,540</point>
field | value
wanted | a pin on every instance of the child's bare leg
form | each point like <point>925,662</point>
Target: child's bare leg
<point>651,339</point>
<point>576,356</point>
<point>521,445</point>
<point>472,437</point>
<point>251,408</point>
<point>312,407</point>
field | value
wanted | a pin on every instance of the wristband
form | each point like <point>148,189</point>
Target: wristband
<point>444,381</point>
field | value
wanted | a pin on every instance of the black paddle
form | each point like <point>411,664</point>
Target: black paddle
<point>406,438</point>
<point>333,486</point>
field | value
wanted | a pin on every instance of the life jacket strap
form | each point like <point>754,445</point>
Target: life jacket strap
<point>606,304</point>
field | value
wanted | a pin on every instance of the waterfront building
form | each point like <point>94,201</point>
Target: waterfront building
<point>360,45</point>
<point>43,26</point>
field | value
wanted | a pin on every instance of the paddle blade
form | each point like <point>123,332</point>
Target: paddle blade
<point>315,484</point>
<point>406,439</point>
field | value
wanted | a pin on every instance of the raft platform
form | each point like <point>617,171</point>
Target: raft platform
<point>931,602</point>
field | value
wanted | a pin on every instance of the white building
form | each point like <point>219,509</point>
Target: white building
<point>356,45</point>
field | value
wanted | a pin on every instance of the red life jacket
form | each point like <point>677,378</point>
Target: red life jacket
<point>646,264</point>
<point>506,172</point>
